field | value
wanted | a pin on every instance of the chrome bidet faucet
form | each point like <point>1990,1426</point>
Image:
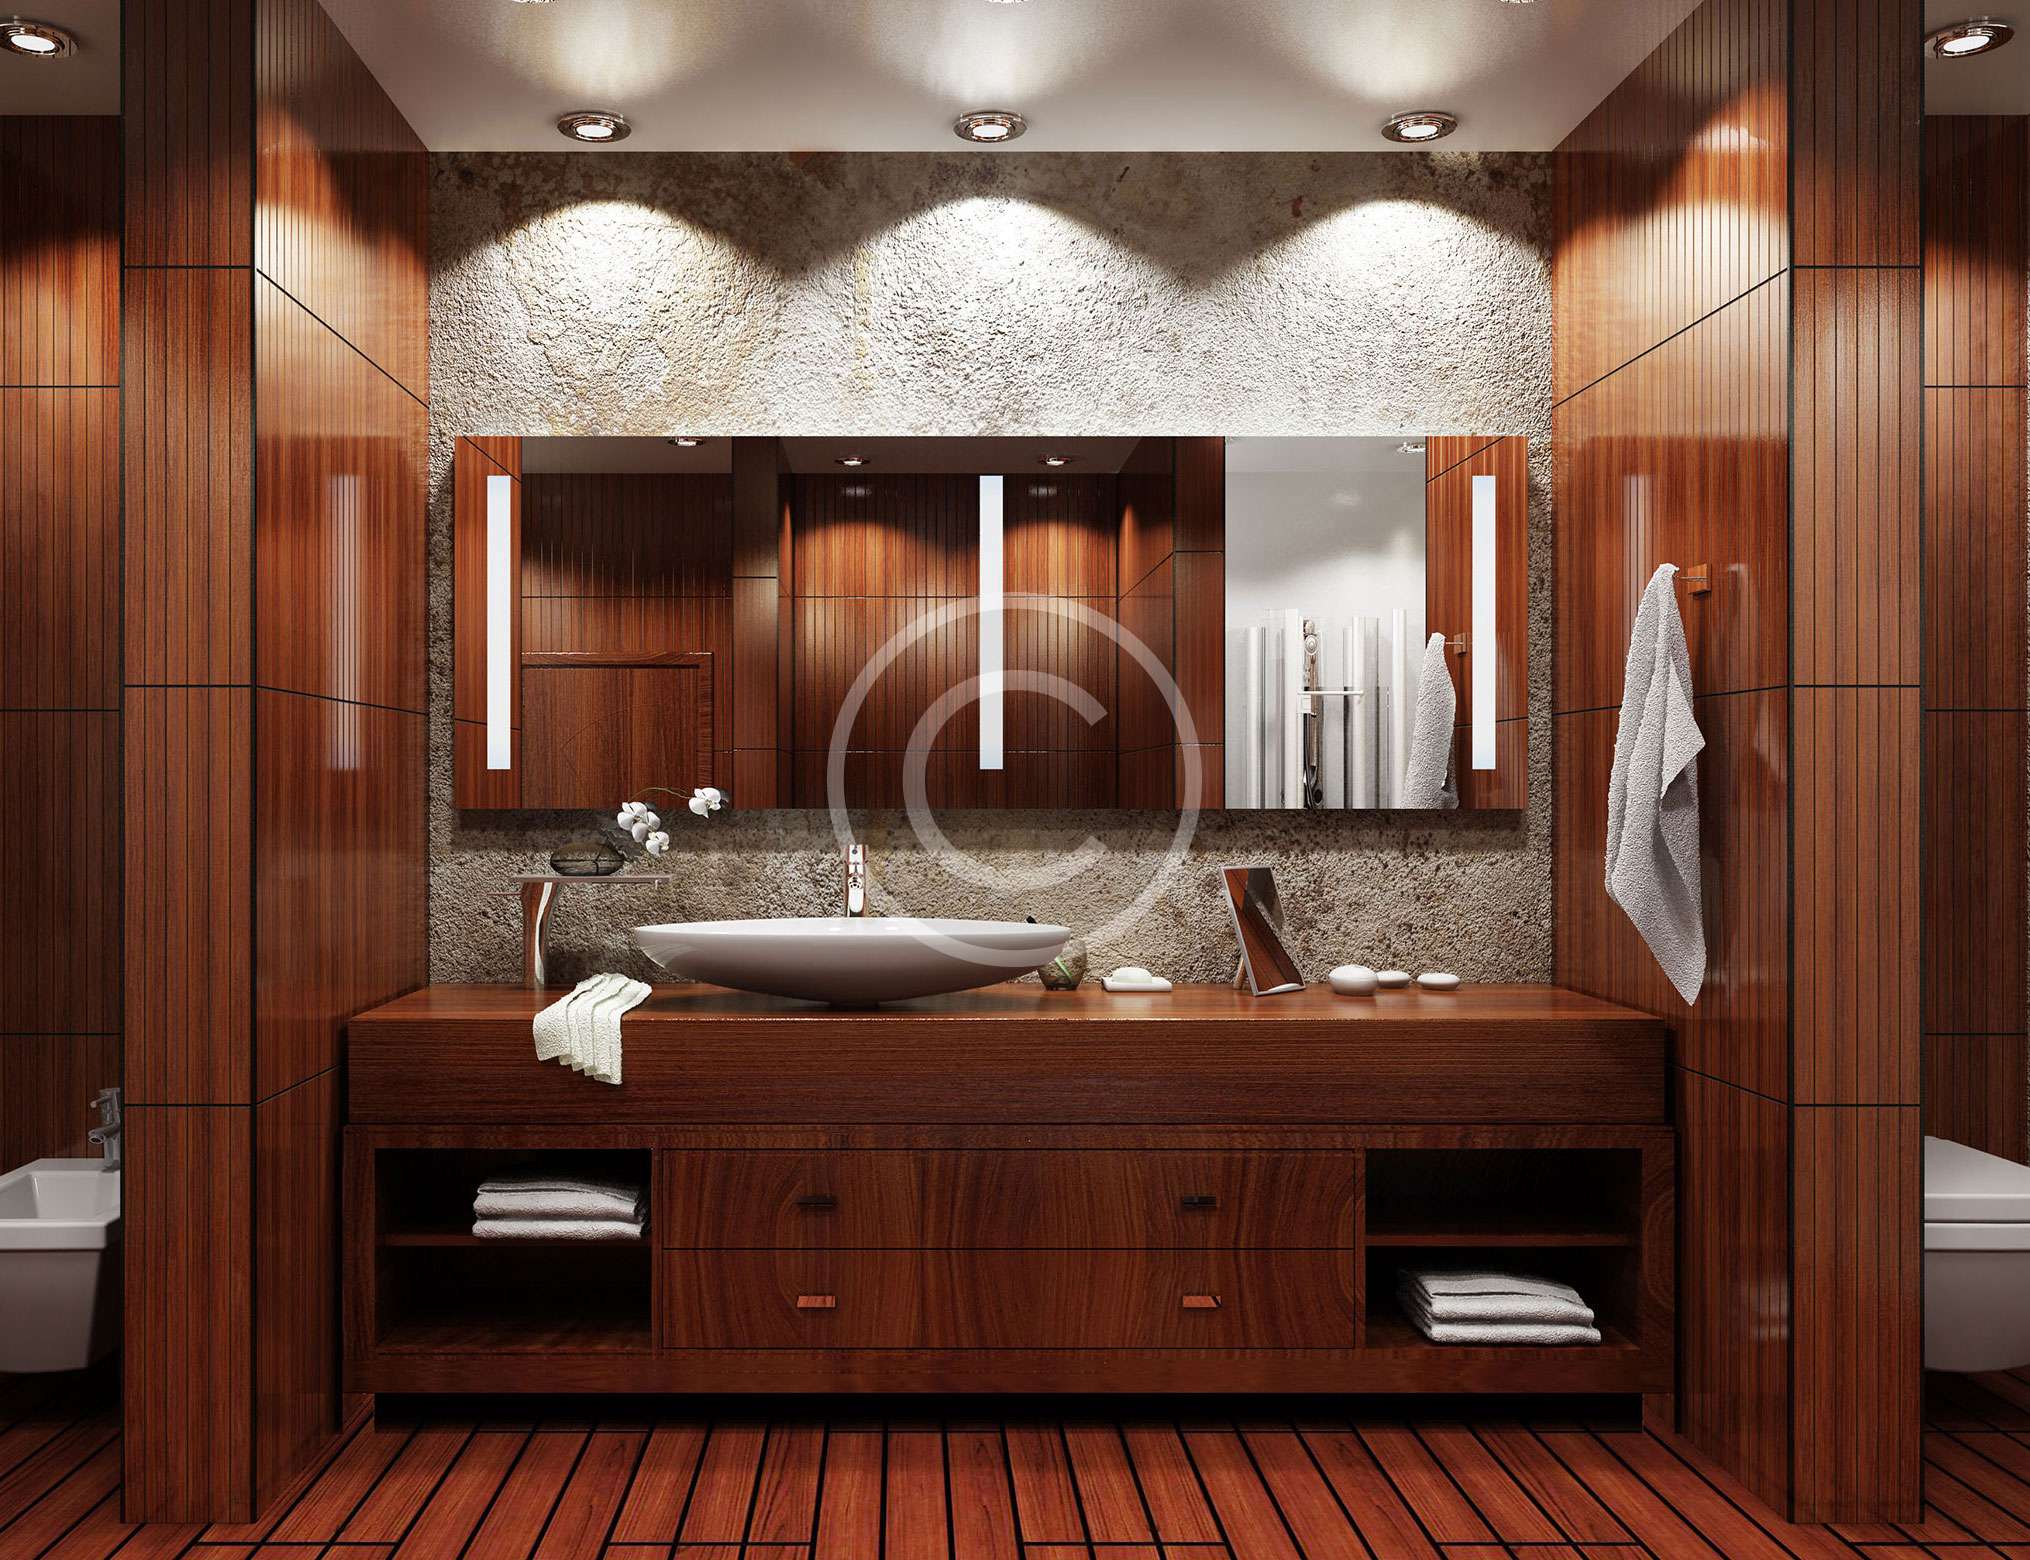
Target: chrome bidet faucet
<point>107,1133</point>
<point>856,880</point>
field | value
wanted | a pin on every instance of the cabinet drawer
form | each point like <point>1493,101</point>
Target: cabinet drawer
<point>1007,1300</point>
<point>1004,1199</point>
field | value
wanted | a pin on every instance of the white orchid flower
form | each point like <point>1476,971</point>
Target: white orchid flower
<point>640,831</point>
<point>657,843</point>
<point>700,806</point>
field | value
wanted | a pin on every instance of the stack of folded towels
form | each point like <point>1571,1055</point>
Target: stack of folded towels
<point>530,1205</point>
<point>1469,1307</point>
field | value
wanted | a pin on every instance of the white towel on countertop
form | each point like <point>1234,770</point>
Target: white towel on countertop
<point>582,1028</point>
<point>1477,1281</point>
<point>1498,1308</point>
<point>1653,792</point>
<point>1427,772</point>
<point>557,1229</point>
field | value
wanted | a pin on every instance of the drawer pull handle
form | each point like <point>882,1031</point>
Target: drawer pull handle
<point>1201,1302</point>
<point>1200,1200</point>
<point>817,1302</point>
<point>822,1202</point>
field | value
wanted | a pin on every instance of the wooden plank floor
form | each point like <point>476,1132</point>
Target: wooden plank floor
<point>971,1481</point>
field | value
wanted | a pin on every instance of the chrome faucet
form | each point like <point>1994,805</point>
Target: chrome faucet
<point>107,1133</point>
<point>856,880</point>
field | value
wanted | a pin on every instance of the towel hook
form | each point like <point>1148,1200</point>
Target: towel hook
<point>1698,580</point>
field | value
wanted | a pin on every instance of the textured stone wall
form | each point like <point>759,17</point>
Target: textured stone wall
<point>996,293</point>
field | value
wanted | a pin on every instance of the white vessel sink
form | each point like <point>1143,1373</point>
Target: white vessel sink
<point>852,961</point>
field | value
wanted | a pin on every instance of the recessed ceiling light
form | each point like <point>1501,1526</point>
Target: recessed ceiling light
<point>37,40</point>
<point>1057,460</point>
<point>854,461</point>
<point>685,441</point>
<point>1424,125</point>
<point>1410,447</point>
<point>1979,35</point>
<point>989,126</point>
<point>595,126</point>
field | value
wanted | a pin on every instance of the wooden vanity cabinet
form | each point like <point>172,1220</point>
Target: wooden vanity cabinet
<point>1001,1255</point>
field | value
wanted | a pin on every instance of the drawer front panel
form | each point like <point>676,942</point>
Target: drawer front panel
<point>1007,1300</point>
<point>1004,1199</point>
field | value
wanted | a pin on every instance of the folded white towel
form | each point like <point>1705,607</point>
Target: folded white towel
<point>533,1204</point>
<point>1479,1281</point>
<point>582,1028</point>
<point>1489,1333</point>
<point>557,1229</point>
<point>1653,792</point>
<point>1427,771</point>
<point>550,1181</point>
<point>1497,1308</point>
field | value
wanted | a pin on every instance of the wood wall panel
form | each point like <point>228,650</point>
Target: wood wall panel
<point>1201,495</point>
<point>1856,897</point>
<point>602,731</point>
<point>60,250</point>
<point>1856,1320</point>
<point>1059,637</point>
<point>186,1432</point>
<point>340,569</point>
<point>189,896</point>
<point>640,535</point>
<point>61,797</point>
<point>1973,1091</point>
<point>869,535</point>
<point>189,451</point>
<point>189,117</point>
<point>342,192</point>
<point>1682,457</point>
<point>46,1085</point>
<point>1734,1304</point>
<point>339,894</point>
<point>1857,117</point>
<point>60,548</point>
<point>1059,536</point>
<point>955,779</point>
<point>1148,498</point>
<point>1857,516</point>
<point>757,508</point>
<point>1671,196</point>
<point>1974,558</point>
<point>1448,573</point>
<point>1976,233</point>
<point>936,649</point>
<point>295,1233</point>
<point>1974,874</point>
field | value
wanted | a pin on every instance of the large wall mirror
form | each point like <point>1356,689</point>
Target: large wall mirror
<point>1160,622</point>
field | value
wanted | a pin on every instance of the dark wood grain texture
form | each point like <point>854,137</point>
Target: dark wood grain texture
<point>1976,248</point>
<point>461,1054</point>
<point>60,253</point>
<point>601,728</point>
<point>1857,94</point>
<point>189,113</point>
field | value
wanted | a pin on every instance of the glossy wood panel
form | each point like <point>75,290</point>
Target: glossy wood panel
<point>1856,909</point>
<point>188,108</point>
<point>60,915</point>
<point>1201,494</point>
<point>1448,570</point>
<point>60,250</point>
<point>1148,497</point>
<point>1974,556</point>
<point>1682,457</point>
<point>1976,248</point>
<point>1738,1031</point>
<point>60,549</point>
<point>871,535</point>
<point>190,1314</point>
<point>758,508</point>
<point>342,191</point>
<point>473,783</point>
<point>189,897</point>
<point>1974,875</point>
<point>46,1084</point>
<point>1857,515</point>
<point>340,881</point>
<point>1857,90</point>
<point>1857,1333</point>
<point>295,1228</point>
<point>189,459</point>
<point>1973,1091</point>
<point>339,511</point>
<point>1671,197</point>
<point>1734,1306</point>
<point>633,536</point>
<point>601,730</point>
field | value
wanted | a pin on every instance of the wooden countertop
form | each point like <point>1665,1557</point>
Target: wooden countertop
<point>1020,1054</point>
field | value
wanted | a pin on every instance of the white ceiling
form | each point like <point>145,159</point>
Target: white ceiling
<point>1091,75</point>
<point>1997,83</point>
<point>889,75</point>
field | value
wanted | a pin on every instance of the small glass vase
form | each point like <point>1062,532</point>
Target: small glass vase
<point>1064,972</point>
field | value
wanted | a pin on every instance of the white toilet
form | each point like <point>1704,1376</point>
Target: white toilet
<point>59,1264</point>
<point>1976,1259</point>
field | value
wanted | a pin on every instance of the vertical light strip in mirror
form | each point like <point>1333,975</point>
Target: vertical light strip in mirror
<point>1484,658</point>
<point>992,655</point>
<point>500,606</point>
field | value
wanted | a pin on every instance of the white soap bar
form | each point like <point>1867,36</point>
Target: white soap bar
<point>1392,980</point>
<point>1132,977</point>
<point>1438,980</point>
<point>1353,980</point>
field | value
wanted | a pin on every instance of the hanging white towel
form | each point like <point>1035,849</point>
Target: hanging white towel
<point>1653,792</point>
<point>582,1030</point>
<point>1427,774</point>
